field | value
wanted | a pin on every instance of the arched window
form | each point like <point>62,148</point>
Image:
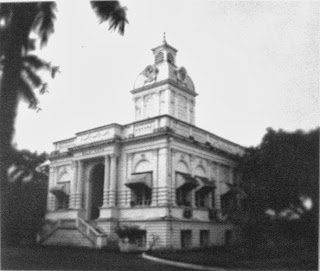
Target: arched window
<point>170,58</point>
<point>159,57</point>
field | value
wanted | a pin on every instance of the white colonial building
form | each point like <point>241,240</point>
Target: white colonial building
<point>160,173</point>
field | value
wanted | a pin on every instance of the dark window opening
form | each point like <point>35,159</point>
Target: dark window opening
<point>62,202</point>
<point>141,196</point>
<point>185,184</point>
<point>170,58</point>
<point>159,57</point>
<point>203,198</point>
<point>184,197</point>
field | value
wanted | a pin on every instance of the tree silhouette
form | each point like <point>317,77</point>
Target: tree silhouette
<point>19,67</point>
<point>280,174</point>
<point>27,188</point>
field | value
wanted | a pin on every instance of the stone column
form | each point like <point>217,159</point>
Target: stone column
<point>129,171</point>
<point>79,190</point>
<point>113,181</point>
<point>106,184</point>
<point>73,192</point>
<point>192,171</point>
<point>155,185</point>
<point>51,198</point>
<point>218,189</point>
<point>163,178</point>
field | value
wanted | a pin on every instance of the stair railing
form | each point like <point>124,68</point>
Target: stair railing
<point>98,239</point>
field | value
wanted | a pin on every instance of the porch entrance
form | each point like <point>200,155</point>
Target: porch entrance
<point>96,191</point>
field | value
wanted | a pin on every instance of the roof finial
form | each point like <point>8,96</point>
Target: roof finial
<point>164,38</point>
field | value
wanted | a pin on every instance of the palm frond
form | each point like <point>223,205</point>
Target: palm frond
<point>36,62</point>
<point>113,12</point>
<point>34,79</point>
<point>43,90</point>
<point>24,15</point>
<point>26,92</point>
<point>45,21</point>
<point>54,71</point>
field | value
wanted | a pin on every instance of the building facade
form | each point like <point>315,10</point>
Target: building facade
<point>160,174</point>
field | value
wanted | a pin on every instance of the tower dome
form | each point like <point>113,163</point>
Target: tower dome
<point>164,68</point>
<point>164,88</point>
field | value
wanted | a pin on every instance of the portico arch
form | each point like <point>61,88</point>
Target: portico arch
<point>96,183</point>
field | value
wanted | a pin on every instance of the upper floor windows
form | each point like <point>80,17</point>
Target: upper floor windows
<point>141,189</point>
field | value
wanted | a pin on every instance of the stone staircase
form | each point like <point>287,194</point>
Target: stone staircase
<point>76,232</point>
<point>68,237</point>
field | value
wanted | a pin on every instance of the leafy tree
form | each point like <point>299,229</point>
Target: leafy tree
<point>27,191</point>
<point>279,175</point>
<point>19,68</point>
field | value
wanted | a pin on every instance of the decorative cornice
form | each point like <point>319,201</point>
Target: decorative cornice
<point>162,82</point>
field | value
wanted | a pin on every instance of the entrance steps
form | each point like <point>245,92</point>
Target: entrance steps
<point>73,232</point>
<point>68,237</point>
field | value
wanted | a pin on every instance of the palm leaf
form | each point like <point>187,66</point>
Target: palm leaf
<point>54,71</point>
<point>24,15</point>
<point>36,62</point>
<point>34,79</point>
<point>113,12</point>
<point>44,22</point>
<point>26,92</point>
<point>43,90</point>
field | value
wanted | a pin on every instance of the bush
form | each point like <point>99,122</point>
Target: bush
<point>131,232</point>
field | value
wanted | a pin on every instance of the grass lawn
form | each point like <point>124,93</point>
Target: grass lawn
<point>284,257</point>
<point>63,258</point>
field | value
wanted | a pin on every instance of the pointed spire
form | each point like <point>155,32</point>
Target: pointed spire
<point>164,38</point>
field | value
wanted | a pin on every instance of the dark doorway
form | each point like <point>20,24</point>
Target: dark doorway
<point>204,238</point>
<point>228,237</point>
<point>186,239</point>
<point>97,180</point>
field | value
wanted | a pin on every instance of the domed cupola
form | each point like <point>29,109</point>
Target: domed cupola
<point>164,88</point>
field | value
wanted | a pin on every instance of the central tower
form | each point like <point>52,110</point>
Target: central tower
<point>164,88</point>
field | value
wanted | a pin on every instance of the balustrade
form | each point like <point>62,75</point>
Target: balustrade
<point>92,234</point>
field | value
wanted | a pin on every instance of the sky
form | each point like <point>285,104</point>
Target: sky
<point>255,64</point>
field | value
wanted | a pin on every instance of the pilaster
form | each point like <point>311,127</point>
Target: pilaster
<point>163,178</point>
<point>155,185</point>
<point>113,180</point>
<point>106,184</point>
<point>218,189</point>
<point>51,200</point>
<point>78,198</point>
<point>73,192</point>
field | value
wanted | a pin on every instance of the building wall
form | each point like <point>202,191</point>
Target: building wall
<point>163,157</point>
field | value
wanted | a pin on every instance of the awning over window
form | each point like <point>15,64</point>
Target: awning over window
<point>205,182</point>
<point>186,181</point>
<point>140,179</point>
<point>206,185</point>
<point>60,190</point>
